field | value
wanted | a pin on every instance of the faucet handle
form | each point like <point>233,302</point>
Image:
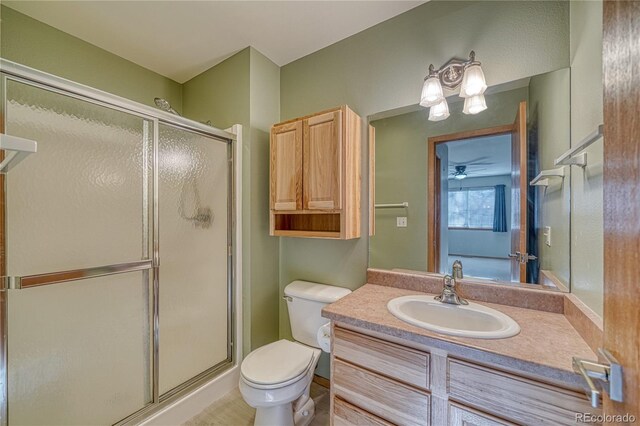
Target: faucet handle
<point>449,282</point>
<point>456,269</point>
<point>449,294</point>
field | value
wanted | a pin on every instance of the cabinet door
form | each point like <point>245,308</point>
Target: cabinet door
<point>323,161</point>
<point>286,167</point>
<point>512,397</point>
<point>384,398</point>
<point>462,416</point>
<point>345,414</point>
<point>397,362</point>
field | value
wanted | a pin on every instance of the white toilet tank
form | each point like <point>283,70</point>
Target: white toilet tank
<point>305,301</point>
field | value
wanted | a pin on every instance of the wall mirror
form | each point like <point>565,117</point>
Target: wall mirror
<point>483,189</point>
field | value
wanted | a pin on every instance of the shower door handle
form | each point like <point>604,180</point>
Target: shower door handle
<point>16,282</point>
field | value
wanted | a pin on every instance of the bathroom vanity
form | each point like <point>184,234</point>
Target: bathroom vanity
<point>386,371</point>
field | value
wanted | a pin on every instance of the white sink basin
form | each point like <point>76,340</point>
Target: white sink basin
<point>472,320</point>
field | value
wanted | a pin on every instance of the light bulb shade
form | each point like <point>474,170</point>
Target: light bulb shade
<point>460,176</point>
<point>474,104</point>
<point>473,82</point>
<point>439,112</point>
<point>431,92</point>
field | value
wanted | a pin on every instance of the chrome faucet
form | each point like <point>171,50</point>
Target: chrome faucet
<point>456,270</point>
<point>449,294</point>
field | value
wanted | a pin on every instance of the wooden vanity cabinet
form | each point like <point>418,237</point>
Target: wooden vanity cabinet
<point>377,382</point>
<point>315,176</point>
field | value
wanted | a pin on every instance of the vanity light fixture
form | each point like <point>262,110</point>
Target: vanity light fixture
<point>440,111</point>
<point>467,75</point>
<point>473,82</point>
<point>474,104</point>
<point>432,93</point>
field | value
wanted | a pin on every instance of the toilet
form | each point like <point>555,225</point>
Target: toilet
<point>276,378</point>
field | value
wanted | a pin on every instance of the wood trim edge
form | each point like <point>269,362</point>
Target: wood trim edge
<point>586,322</point>
<point>322,381</point>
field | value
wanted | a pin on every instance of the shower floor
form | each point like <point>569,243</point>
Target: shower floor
<point>231,410</point>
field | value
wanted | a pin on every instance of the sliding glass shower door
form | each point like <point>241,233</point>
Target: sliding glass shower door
<point>78,203</point>
<point>117,272</point>
<point>194,247</point>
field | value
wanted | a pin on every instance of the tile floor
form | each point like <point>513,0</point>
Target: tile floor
<point>231,410</point>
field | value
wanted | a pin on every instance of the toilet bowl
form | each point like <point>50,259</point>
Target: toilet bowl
<point>276,378</point>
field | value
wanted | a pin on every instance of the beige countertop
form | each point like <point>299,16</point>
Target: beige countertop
<point>543,349</point>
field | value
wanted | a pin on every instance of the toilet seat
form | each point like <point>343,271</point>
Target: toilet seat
<point>277,364</point>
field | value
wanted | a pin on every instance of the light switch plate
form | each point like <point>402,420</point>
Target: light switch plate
<point>401,222</point>
<point>547,236</point>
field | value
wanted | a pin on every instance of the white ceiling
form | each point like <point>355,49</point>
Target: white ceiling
<point>181,39</point>
<point>494,152</point>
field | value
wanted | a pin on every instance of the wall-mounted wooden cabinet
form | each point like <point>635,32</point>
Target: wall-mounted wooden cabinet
<point>315,176</point>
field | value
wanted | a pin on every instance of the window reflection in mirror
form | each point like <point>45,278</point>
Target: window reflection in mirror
<point>467,180</point>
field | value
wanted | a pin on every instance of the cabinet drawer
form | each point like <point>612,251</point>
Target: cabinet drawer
<point>398,362</point>
<point>515,398</point>
<point>385,398</point>
<point>463,416</point>
<point>345,414</point>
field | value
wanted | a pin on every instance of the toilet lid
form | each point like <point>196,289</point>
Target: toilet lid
<point>277,362</point>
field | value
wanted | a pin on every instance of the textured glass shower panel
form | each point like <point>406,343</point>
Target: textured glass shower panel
<point>79,351</point>
<point>193,194</point>
<point>79,201</point>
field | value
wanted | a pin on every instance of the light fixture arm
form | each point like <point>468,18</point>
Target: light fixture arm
<point>432,72</point>
<point>451,73</point>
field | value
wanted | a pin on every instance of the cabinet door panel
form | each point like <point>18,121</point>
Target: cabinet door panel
<point>382,397</point>
<point>323,161</point>
<point>512,397</point>
<point>462,416</point>
<point>286,167</point>
<point>395,361</point>
<point>345,414</point>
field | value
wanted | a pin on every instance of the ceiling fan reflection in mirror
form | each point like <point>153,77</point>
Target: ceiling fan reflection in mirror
<point>460,169</point>
<point>460,172</point>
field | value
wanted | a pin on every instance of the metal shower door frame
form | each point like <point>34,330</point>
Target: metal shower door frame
<point>151,264</point>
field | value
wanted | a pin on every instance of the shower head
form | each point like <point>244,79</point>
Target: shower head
<point>164,105</point>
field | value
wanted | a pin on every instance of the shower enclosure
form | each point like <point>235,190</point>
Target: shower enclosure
<point>116,254</point>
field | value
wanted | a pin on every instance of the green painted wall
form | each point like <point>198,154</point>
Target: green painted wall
<point>265,111</point>
<point>220,94</point>
<point>587,244</point>
<point>40,46</point>
<point>401,174</point>
<point>382,68</point>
